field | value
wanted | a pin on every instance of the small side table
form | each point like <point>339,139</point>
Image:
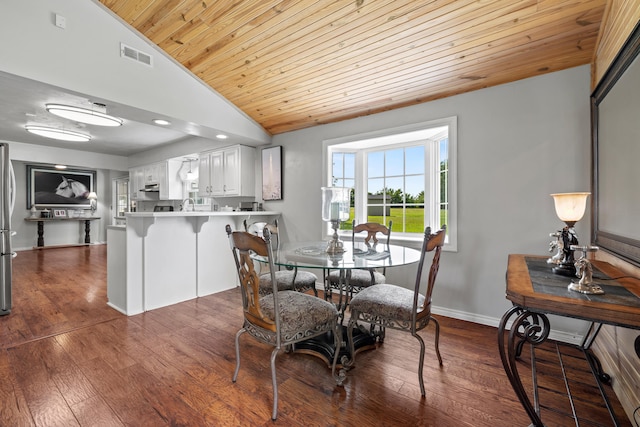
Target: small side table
<point>536,293</point>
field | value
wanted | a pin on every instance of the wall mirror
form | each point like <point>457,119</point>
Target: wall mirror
<point>615,131</point>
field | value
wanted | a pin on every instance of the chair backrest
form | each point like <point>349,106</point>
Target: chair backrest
<point>372,229</point>
<point>432,242</point>
<point>257,229</point>
<point>243,245</point>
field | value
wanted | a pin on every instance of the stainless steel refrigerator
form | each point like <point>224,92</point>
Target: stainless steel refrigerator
<point>7,198</point>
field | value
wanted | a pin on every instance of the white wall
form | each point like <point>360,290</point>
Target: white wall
<point>517,143</point>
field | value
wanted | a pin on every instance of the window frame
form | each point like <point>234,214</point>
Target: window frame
<point>396,138</point>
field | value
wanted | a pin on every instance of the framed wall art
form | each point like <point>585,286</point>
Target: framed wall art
<point>272,173</point>
<point>50,187</point>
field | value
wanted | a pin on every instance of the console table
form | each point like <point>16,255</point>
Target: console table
<point>536,292</point>
<point>87,226</point>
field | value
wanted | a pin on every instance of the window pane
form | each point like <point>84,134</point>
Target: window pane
<point>414,160</point>
<point>349,165</point>
<point>395,189</point>
<point>375,185</point>
<point>378,213</point>
<point>415,219</point>
<point>397,216</point>
<point>444,214</point>
<point>375,164</point>
<point>338,165</point>
<point>414,189</point>
<point>394,165</point>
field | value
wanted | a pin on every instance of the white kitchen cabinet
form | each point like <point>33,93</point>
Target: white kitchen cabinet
<point>164,174</point>
<point>227,172</point>
<point>171,187</point>
<point>204,174</point>
<point>136,183</point>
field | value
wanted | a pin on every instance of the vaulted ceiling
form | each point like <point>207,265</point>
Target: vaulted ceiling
<point>291,64</point>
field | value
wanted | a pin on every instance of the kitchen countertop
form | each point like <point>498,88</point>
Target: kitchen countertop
<point>196,213</point>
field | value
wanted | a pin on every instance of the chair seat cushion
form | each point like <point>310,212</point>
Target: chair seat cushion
<point>304,281</point>
<point>360,278</point>
<point>300,314</point>
<point>387,301</point>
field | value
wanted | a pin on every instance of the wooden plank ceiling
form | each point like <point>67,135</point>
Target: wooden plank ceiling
<point>291,64</point>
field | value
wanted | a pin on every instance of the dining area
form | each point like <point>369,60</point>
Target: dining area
<point>89,364</point>
<point>353,310</point>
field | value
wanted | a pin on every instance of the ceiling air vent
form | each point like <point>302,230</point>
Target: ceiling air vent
<point>136,55</point>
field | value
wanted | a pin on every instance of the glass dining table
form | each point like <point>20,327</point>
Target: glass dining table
<point>356,255</point>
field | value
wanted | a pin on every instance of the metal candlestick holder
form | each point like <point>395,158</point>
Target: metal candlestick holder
<point>335,246</point>
<point>584,270</point>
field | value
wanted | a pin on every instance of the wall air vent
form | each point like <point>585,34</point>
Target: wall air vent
<point>136,55</point>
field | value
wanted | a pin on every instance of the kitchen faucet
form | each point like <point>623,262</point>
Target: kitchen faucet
<point>184,207</point>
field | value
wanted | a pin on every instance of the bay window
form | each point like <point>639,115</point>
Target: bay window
<point>404,175</point>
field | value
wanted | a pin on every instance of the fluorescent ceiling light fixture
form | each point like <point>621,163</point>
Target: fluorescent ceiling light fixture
<point>221,136</point>
<point>56,133</point>
<point>161,122</point>
<point>84,115</point>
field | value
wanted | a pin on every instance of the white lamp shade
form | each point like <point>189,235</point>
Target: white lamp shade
<point>335,203</point>
<point>570,207</point>
<point>92,196</point>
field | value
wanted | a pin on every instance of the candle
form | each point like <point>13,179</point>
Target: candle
<point>335,210</point>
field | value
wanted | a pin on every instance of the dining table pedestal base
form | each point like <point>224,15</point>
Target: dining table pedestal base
<point>323,346</point>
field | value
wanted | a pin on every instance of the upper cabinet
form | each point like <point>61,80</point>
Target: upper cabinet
<point>227,172</point>
<point>136,183</point>
<point>152,173</point>
<point>171,187</point>
<point>160,180</point>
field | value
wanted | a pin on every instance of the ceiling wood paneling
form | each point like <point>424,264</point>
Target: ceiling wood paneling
<point>291,64</point>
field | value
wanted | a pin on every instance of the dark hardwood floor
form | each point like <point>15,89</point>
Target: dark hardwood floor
<point>67,359</point>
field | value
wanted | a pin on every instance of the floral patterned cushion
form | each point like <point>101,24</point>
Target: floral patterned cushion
<point>300,314</point>
<point>359,278</point>
<point>304,281</point>
<point>387,301</point>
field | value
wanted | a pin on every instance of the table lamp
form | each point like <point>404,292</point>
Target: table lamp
<point>570,208</point>
<point>335,209</point>
<point>93,202</point>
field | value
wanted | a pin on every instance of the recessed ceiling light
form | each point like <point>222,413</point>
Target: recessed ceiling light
<point>85,115</point>
<point>56,133</point>
<point>221,136</point>
<point>161,122</point>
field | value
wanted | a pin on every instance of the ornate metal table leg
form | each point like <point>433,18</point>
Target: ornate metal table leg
<point>528,327</point>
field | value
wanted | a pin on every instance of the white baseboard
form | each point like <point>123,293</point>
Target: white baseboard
<point>495,321</point>
<point>561,336</point>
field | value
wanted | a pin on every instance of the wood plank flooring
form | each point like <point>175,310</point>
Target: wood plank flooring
<point>67,359</point>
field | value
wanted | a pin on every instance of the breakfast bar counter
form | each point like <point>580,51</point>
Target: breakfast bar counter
<point>162,258</point>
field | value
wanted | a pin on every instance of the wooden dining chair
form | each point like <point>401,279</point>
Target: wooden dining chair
<point>364,278</point>
<point>280,318</point>
<point>290,279</point>
<point>396,307</point>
